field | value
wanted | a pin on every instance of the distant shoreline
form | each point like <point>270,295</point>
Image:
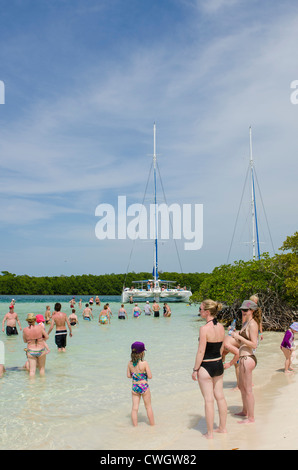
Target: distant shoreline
<point>84,284</point>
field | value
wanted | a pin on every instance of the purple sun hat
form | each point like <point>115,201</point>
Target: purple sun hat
<point>138,346</point>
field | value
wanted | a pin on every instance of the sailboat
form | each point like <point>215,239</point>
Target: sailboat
<point>155,288</point>
<point>254,216</point>
<point>255,240</point>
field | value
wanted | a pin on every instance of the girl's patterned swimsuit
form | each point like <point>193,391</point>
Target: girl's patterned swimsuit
<point>139,387</point>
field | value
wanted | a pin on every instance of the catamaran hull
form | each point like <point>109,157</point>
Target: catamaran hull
<point>156,294</point>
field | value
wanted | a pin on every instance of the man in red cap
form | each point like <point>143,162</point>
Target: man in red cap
<point>11,318</point>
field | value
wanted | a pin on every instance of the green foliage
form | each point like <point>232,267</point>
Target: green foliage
<point>290,263</point>
<point>273,277</point>
<point>86,284</point>
<point>276,276</point>
<point>291,243</point>
<point>228,283</point>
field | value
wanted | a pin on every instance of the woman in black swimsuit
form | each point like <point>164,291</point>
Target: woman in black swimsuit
<point>248,340</point>
<point>208,369</point>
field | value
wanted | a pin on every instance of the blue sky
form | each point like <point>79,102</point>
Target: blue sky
<point>84,82</point>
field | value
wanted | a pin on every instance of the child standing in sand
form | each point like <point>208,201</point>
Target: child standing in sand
<point>287,346</point>
<point>139,371</point>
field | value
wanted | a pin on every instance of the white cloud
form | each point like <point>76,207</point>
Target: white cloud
<point>91,144</point>
<point>212,6</point>
<point>20,211</point>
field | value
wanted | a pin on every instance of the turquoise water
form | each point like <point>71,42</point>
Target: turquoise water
<point>84,401</point>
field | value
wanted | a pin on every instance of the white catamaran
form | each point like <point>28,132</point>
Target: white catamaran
<point>155,288</point>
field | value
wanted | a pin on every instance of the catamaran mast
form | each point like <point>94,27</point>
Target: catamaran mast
<point>155,208</point>
<point>255,231</point>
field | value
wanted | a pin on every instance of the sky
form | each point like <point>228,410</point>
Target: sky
<point>84,81</point>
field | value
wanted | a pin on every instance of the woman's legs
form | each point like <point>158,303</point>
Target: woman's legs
<point>41,363</point>
<point>212,388</point>
<point>35,362</point>
<point>221,403</point>
<point>247,365</point>
<point>32,365</point>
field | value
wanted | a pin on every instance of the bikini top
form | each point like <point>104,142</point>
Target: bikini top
<point>137,376</point>
<point>212,350</point>
<point>243,332</point>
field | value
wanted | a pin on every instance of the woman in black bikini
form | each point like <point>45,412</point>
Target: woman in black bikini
<point>248,339</point>
<point>208,369</point>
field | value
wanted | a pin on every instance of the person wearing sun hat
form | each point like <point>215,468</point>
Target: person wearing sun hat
<point>248,305</point>
<point>257,312</point>
<point>248,339</point>
<point>139,371</point>
<point>138,347</point>
<point>40,319</point>
<point>12,319</point>
<point>35,337</point>
<point>287,346</point>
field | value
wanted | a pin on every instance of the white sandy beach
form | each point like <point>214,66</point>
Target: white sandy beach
<point>275,426</point>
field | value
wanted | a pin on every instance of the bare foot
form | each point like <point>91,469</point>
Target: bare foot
<point>247,421</point>
<point>241,413</point>
<point>219,430</point>
<point>208,436</point>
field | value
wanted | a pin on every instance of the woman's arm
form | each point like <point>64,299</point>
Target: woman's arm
<point>200,352</point>
<point>234,350</point>
<point>45,334</point>
<point>24,336</point>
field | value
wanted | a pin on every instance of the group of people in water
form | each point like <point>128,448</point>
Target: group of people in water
<point>35,334</point>
<point>210,361</point>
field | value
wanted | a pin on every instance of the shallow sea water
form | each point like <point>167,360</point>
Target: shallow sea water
<point>84,400</point>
